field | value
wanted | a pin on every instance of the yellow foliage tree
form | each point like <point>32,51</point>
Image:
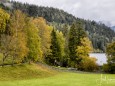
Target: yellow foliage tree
<point>17,26</point>
<point>45,34</point>
<point>4,18</point>
<point>85,48</point>
<point>86,63</point>
<point>34,42</point>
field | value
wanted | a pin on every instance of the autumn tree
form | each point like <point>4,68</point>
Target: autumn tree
<point>13,37</point>
<point>4,41</point>
<point>33,41</point>
<point>45,35</point>
<point>85,48</point>
<point>6,47</point>
<point>86,63</point>
<point>4,18</point>
<point>17,25</point>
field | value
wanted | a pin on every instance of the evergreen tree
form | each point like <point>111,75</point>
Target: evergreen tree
<point>65,30</point>
<point>72,44</point>
<point>55,48</point>
<point>111,57</point>
<point>61,41</point>
<point>75,34</point>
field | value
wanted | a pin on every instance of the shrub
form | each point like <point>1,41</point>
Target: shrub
<point>106,68</point>
<point>88,64</point>
<point>110,68</point>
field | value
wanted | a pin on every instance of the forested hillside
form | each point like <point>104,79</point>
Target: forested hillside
<point>99,34</point>
<point>25,39</point>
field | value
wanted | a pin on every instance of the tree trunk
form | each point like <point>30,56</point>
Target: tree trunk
<point>12,60</point>
<point>4,57</point>
<point>3,61</point>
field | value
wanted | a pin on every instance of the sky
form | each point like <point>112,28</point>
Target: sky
<point>98,10</point>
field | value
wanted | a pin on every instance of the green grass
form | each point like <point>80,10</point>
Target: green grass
<point>40,75</point>
<point>25,71</point>
<point>64,79</point>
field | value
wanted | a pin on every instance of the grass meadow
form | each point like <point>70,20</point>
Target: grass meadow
<point>37,75</point>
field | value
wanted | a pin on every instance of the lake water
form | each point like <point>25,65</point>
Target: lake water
<point>101,58</point>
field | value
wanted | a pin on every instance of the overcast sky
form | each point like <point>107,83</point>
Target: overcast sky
<point>99,10</point>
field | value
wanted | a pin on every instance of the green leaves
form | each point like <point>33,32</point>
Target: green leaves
<point>111,52</point>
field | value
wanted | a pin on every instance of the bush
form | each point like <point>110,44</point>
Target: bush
<point>105,68</point>
<point>110,68</point>
<point>88,64</point>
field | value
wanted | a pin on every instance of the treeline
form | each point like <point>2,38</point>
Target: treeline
<point>49,13</point>
<point>27,39</point>
<point>99,34</point>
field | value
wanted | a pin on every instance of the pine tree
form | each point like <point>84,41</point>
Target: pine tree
<point>61,41</point>
<point>72,44</point>
<point>111,57</point>
<point>75,34</point>
<point>55,47</point>
<point>65,30</point>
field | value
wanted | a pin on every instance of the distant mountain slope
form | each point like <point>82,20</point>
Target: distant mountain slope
<point>99,34</point>
<point>107,23</point>
<point>3,1</point>
<point>49,13</point>
<point>113,28</point>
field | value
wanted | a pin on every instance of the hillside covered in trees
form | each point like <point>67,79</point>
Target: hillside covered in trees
<point>33,34</point>
<point>99,34</point>
<point>25,39</point>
